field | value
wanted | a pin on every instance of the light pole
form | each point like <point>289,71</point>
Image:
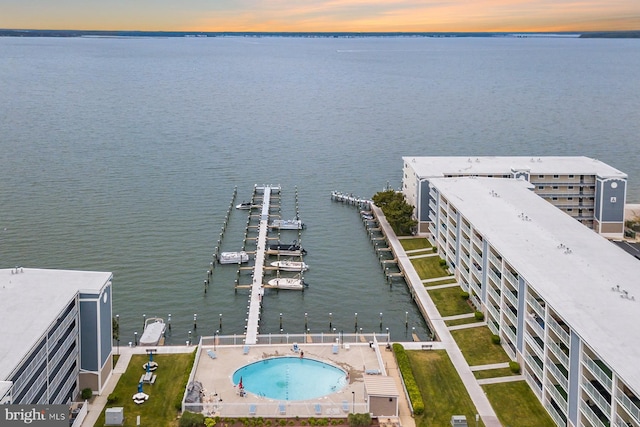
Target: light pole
<point>353,405</point>
<point>477,419</point>
<point>215,339</point>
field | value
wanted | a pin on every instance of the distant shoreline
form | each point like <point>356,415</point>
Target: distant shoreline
<point>91,33</point>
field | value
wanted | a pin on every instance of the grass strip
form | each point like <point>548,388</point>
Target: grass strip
<point>516,405</point>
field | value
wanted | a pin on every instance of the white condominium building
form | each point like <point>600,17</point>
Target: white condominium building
<point>589,190</point>
<point>564,300</point>
<point>55,334</point>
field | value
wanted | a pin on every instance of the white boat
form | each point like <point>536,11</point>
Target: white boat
<point>233,257</point>
<point>154,328</point>
<point>244,206</point>
<point>290,265</point>
<point>287,224</point>
<point>287,283</point>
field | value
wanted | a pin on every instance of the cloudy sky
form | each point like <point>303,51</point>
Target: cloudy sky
<point>322,15</point>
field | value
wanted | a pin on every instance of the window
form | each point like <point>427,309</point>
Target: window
<point>554,198</point>
<point>540,187</point>
<point>569,198</point>
<point>541,176</point>
<point>571,176</point>
<point>556,176</point>
<point>555,187</point>
<point>570,187</point>
<point>569,210</point>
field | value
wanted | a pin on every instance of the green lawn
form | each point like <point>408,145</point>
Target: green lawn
<point>449,302</point>
<point>516,405</point>
<point>159,410</point>
<point>477,348</point>
<point>493,373</point>
<point>442,389</point>
<point>416,243</point>
<point>429,267</point>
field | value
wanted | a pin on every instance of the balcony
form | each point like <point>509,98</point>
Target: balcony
<point>599,370</point>
<point>477,257</point>
<point>596,396</point>
<point>536,306</point>
<point>510,314</point>
<point>557,418</point>
<point>559,372</point>
<point>510,333</point>
<point>559,395</point>
<point>511,278</point>
<point>534,324</point>
<point>535,363</point>
<point>555,327</point>
<point>557,351</point>
<point>512,296</point>
<point>592,416</point>
<point>496,262</point>
<point>535,344</point>
<point>631,404</point>
<point>494,277</point>
<point>466,230</point>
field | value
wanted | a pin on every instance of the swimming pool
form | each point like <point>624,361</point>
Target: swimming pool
<point>290,378</point>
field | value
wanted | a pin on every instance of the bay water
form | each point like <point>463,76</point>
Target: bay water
<point>122,154</point>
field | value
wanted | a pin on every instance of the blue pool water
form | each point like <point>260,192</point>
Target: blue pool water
<point>290,378</point>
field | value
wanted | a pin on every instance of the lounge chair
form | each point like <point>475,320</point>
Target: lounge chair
<point>295,347</point>
<point>252,409</point>
<point>318,409</point>
<point>282,409</point>
<point>345,406</point>
<point>245,349</point>
<point>335,349</point>
<point>211,354</point>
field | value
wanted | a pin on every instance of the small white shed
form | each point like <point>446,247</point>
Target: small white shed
<point>382,395</point>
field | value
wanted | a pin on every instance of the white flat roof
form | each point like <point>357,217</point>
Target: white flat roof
<point>426,167</point>
<point>578,283</point>
<point>30,301</point>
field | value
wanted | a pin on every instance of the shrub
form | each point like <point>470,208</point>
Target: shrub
<point>495,339</point>
<point>359,420</point>
<point>515,367</point>
<point>464,295</point>
<point>442,262</point>
<point>409,381</point>
<point>479,315</point>
<point>112,398</point>
<point>209,422</point>
<point>189,419</point>
<point>86,393</point>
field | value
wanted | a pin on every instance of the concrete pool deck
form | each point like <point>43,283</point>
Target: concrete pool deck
<point>221,397</point>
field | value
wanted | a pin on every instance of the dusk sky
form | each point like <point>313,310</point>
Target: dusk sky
<point>322,15</point>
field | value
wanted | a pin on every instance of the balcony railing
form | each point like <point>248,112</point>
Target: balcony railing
<point>558,375</point>
<point>534,365</point>
<point>494,259</point>
<point>511,278</point>
<point>509,333</point>
<point>560,422</point>
<point>513,298</point>
<point>597,371</point>
<point>557,351</point>
<point>595,395</point>
<point>555,327</point>
<point>630,405</point>
<point>561,400</point>
<point>591,416</point>
<point>536,306</point>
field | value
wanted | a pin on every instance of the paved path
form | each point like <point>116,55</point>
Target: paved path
<point>430,312</point>
<point>437,279</point>
<point>508,379</point>
<point>467,326</point>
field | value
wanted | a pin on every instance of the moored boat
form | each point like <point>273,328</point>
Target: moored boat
<point>287,283</point>
<point>154,328</point>
<point>290,265</point>
<point>233,257</point>
<point>287,224</point>
<point>290,249</point>
<point>244,206</point>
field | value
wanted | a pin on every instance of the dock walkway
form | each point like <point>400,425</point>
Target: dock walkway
<point>255,300</point>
